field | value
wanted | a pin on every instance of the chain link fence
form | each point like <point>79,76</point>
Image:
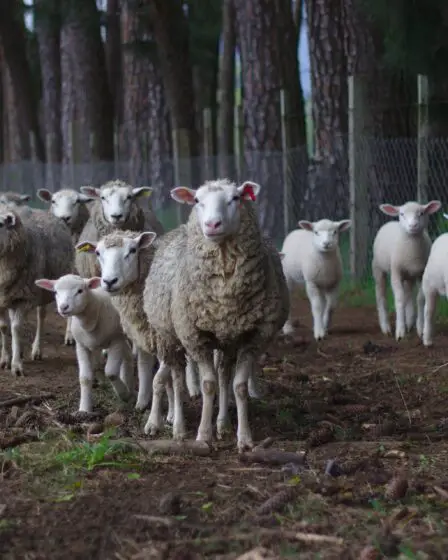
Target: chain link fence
<point>294,186</point>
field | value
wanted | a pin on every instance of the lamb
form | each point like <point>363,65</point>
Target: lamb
<point>311,256</point>
<point>434,283</point>
<point>32,245</point>
<point>13,198</point>
<point>95,325</point>
<point>222,288</point>
<point>116,208</point>
<point>401,249</point>
<point>125,259</point>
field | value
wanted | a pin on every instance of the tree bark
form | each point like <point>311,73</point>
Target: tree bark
<point>13,37</point>
<point>226,88</point>
<point>113,56</point>
<point>47,24</point>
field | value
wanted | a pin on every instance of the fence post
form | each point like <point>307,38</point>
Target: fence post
<point>116,149</point>
<point>34,163</point>
<point>207,143</point>
<point>358,178</point>
<point>288,210</point>
<point>422,150</point>
<point>71,135</point>
<point>182,167</point>
<point>239,141</point>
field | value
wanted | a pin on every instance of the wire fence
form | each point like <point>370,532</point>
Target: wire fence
<point>294,186</point>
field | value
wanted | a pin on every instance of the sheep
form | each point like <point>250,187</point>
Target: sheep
<point>222,287</point>
<point>32,245</point>
<point>434,283</point>
<point>311,256</point>
<point>95,325</point>
<point>13,198</point>
<point>125,259</point>
<point>401,249</point>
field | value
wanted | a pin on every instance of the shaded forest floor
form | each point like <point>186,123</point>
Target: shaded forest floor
<point>365,409</point>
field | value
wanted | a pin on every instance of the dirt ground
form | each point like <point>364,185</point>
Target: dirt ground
<point>365,409</point>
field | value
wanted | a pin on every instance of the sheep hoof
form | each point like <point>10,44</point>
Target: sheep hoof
<point>205,436</point>
<point>69,341</point>
<point>152,428</point>
<point>17,369</point>
<point>223,428</point>
<point>140,406</point>
<point>169,419</point>
<point>36,355</point>
<point>179,433</point>
<point>245,444</point>
<point>5,362</point>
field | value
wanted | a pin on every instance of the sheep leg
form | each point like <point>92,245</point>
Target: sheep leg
<point>145,364</point>
<point>179,431</point>
<point>170,397</point>
<point>192,378</point>
<point>400,298</point>
<point>409,310</point>
<point>68,339</point>
<point>245,364</point>
<point>224,367</point>
<point>83,356</point>
<point>16,317</point>
<point>155,420</point>
<point>118,352</point>
<point>5,358</point>
<point>317,308</point>
<point>420,310</point>
<point>134,350</point>
<point>288,328</point>
<point>36,352</point>
<point>208,389</point>
<point>330,303</point>
<point>429,310</point>
<point>380,296</point>
<point>254,389</point>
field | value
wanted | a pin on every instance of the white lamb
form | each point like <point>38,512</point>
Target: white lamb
<point>95,325</point>
<point>401,249</point>
<point>434,283</point>
<point>311,256</point>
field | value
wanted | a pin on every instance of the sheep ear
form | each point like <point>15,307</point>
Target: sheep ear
<point>91,191</point>
<point>24,197</point>
<point>390,209</point>
<point>184,195</point>
<point>140,192</point>
<point>249,190</point>
<point>45,195</point>
<point>304,224</point>
<point>93,283</point>
<point>432,207</point>
<point>145,239</point>
<point>83,198</point>
<point>85,247</point>
<point>45,284</point>
<point>344,225</point>
<point>10,220</point>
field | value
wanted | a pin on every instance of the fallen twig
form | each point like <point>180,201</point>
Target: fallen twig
<point>168,446</point>
<point>268,442</point>
<point>441,492</point>
<point>439,367</point>
<point>272,457</point>
<point>156,519</point>
<point>23,400</point>
<point>404,402</point>
<point>19,440</point>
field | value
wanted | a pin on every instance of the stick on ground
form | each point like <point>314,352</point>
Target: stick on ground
<point>23,400</point>
<point>169,446</point>
<point>272,457</point>
<point>18,440</point>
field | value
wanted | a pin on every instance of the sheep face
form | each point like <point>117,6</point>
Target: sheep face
<point>325,233</point>
<point>71,292</point>
<point>119,259</point>
<point>116,199</point>
<point>217,205</point>
<point>412,216</point>
<point>65,204</point>
<point>9,223</point>
<point>14,199</point>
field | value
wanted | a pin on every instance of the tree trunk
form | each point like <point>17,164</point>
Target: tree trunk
<point>172,37</point>
<point>68,105</point>
<point>226,88</point>
<point>113,56</point>
<point>327,192</point>
<point>13,37</point>
<point>93,101</point>
<point>47,24</point>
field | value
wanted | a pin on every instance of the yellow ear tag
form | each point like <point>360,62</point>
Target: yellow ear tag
<point>85,248</point>
<point>146,194</point>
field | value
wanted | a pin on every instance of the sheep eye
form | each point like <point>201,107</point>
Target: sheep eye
<point>196,199</point>
<point>103,198</point>
<point>133,250</point>
<point>236,197</point>
<point>97,253</point>
<point>79,291</point>
<point>53,202</point>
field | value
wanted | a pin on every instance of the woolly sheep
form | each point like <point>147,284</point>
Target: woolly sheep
<point>401,249</point>
<point>226,291</point>
<point>13,198</point>
<point>311,256</point>
<point>32,245</point>
<point>116,208</point>
<point>125,259</point>
<point>95,325</point>
<point>434,283</point>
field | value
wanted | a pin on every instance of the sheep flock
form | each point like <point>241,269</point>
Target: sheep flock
<point>196,307</point>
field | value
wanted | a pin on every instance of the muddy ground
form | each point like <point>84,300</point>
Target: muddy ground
<point>377,409</point>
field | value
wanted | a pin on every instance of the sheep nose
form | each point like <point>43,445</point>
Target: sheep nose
<point>213,224</point>
<point>66,219</point>
<point>110,283</point>
<point>64,307</point>
<point>116,216</point>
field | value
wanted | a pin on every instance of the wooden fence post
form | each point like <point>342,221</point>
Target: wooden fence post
<point>239,141</point>
<point>71,135</point>
<point>423,129</point>
<point>182,167</point>
<point>288,210</point>
<point>358,177</point>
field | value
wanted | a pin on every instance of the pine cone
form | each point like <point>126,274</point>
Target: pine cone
<point>277,501</point>
<point>321,436</point>
<point>396,488</point>
<point>369,553</point>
